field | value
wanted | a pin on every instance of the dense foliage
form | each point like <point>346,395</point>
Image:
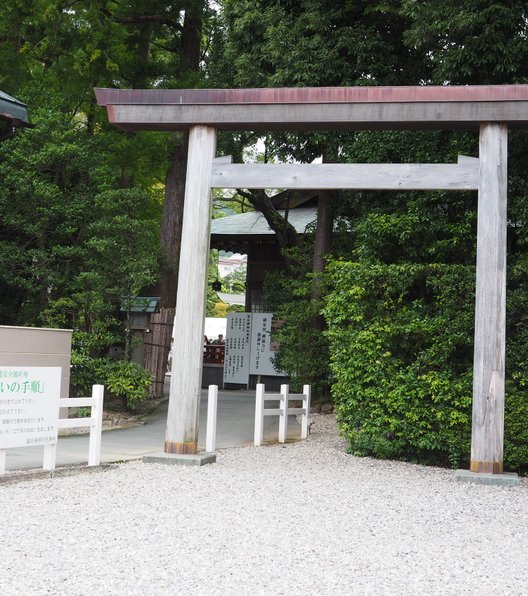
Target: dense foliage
<point>81,204</point>
<point>400,307</point>
<point>401,338</point>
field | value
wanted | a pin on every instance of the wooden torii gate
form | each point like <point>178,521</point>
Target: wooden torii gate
<point>491,109</point>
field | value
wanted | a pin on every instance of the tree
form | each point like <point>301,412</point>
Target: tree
<point>54,50</point>
<point>470,42</point>
<point>72,183</point>
<point>310,43</point>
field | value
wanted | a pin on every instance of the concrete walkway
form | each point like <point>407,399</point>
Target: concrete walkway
<point>235,427</point>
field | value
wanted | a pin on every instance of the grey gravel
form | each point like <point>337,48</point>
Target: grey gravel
<point>305,518</point>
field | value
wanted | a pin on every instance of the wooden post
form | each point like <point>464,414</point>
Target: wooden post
<point>187,350</point>
<point>283,420</point>
<point>96,428</point>
<point>212,409</point>
<point>259,415</point>
<point>487,437</point>
<point>49,459</point>
<point>305,425</point>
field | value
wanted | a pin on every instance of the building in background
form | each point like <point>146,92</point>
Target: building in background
<point>229,263</point>
<point>13,115</point>
<point>249,234</point>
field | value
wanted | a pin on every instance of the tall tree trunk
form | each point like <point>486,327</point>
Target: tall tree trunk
<point>171,227</point>
<point>322,246</point>
<point>285,233</point>
<point>191,38</point>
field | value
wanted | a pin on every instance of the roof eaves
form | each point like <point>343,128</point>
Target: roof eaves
<point>14,111</point>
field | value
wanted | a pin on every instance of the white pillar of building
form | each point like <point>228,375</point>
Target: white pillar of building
<point>487,439</point>
<point>187,350</point>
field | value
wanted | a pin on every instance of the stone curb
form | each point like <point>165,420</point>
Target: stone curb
<point>22,475</point>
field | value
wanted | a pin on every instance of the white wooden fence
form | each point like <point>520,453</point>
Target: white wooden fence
<point>94,422</point>
<point>283,411</point>
<point>212,409</point>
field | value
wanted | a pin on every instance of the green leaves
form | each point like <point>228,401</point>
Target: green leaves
<point>400,358</point>
<point>470,41</point>
<point>401,349</point>
<point>317,43</point>
<point>120,378</point>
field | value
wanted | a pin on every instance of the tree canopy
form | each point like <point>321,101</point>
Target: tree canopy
<point>91,214</point>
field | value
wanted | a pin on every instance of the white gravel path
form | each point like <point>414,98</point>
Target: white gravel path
<point>305,518</point>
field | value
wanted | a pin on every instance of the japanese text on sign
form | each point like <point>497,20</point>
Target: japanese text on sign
<point>29,405</point>
<point>262,355</point>
<point>236,360</point>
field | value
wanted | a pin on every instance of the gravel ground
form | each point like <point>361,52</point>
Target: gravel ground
<point>305,518</point>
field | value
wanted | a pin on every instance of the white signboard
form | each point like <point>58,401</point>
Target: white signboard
<point>262,356</point>
<point>29,405</point>
<point>237,348</point>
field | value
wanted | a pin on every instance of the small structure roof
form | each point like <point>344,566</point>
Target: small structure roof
<point>254,223</point>
<point>237,232</point>
<point>11,108</point>
<point>238,299</point>
<point>146,304</point>
<point>13,115</point>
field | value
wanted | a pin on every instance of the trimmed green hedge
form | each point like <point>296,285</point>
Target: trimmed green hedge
<point>401,349</point>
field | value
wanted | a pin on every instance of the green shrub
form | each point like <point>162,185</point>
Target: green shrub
<point>401,350</point>
<point>516,429</point>
<point>85,372</point>
<point>127,380</point>
<point>400,341</point>
<point>121,378</point>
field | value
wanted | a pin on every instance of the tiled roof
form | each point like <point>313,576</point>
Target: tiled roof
<point>12,109</point>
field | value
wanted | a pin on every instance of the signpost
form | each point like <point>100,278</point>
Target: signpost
<point>248,348</point>
<point>237,348</point>
<point>262,356</point>
<point>29,405</point>
<point>29,412</point>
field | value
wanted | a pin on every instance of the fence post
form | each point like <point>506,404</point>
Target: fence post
<point>96,428</point>
<point>212,408</point>
<point>306,406</point>
<point>283,420</point>
<point>259,416</point>
<point>50,457</point>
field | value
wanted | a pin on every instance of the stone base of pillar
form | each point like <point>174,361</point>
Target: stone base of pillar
<point>505,479</point>
<point>180,459</point>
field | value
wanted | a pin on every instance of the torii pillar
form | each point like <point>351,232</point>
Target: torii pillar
<point>187,349</point>
<point>487,436</point>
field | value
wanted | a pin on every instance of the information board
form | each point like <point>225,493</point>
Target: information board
<point>29,405</point>
<point>237,348</point>
<point>262,361</point>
